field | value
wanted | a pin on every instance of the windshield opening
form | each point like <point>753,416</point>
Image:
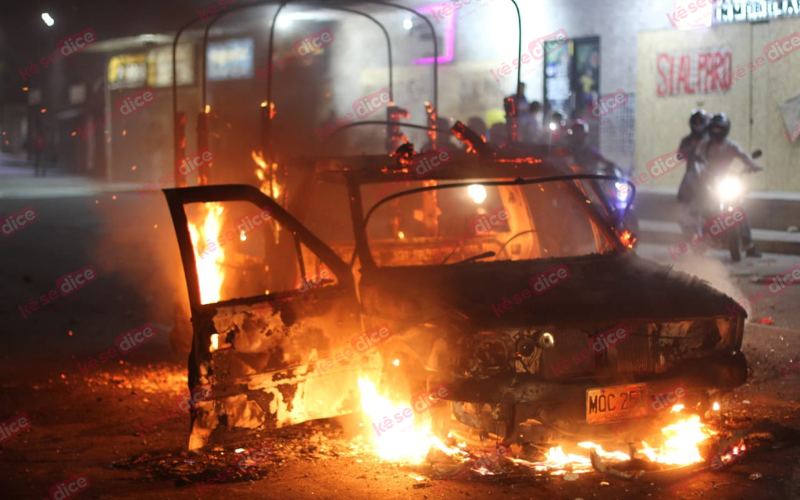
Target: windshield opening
<point>483,223</point>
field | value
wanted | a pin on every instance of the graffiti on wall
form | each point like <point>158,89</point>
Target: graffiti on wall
<point>700,71</point>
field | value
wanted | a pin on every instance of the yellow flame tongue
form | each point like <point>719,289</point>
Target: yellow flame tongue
<point>681,444</point>
<point>681,447</point>
<point>210,259</point>
<point>408,439</point>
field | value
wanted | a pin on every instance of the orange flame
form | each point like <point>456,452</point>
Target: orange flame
<point>407,441</point>
<point>680,447</point>
<point>209,256</point>
<point>681,443</point>
<point>627,238</point>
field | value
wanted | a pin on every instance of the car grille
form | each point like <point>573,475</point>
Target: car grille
<point>640,353</point>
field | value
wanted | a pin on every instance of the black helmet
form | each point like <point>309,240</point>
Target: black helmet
<point>698,121</point>
<point>719,126</point>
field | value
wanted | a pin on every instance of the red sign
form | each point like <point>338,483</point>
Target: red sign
<point>700,72</point>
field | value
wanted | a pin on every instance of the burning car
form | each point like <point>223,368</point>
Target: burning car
<point>503,275</point>
<point>492,276</point>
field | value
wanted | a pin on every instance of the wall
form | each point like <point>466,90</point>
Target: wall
<point>662,121</point>
<point>486,37</point>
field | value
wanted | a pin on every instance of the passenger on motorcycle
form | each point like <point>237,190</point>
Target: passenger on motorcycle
<point>691,185</point>
<point>717,154</point>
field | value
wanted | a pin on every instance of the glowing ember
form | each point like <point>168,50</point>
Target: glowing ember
<point>408,442</point>
<point>627,238</point>
<point>209,269</point>
<point>272,111</point>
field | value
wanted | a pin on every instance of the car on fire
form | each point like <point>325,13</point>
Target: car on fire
<point>503,278</point>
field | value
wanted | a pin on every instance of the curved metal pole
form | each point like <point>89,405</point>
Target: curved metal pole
<point>370,122</point>
<point>519,54</point>
<point>208,29</point>
<point>176,148</point>
<point>266,111</point>
<point>435,49</point>
<point>269,80</point>
<point>174,66</point>
<point>274,2</point>
<point>376,122</point>
<point>378,2</point>
<point>385,33</point>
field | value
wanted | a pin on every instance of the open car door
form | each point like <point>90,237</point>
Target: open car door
<point>268,300</point>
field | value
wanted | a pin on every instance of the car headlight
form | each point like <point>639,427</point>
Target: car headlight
<point>729,188</point>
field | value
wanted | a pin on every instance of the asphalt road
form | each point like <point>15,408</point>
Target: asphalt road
<point>87,422</point>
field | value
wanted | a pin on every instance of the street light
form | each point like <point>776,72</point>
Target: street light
<point>47,19</point>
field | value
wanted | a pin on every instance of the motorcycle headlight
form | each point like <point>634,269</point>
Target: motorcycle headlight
<point>623,190</point>
<point>729,188</point>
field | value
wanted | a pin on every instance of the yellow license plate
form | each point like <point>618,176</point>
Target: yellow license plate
<point>607,404</point>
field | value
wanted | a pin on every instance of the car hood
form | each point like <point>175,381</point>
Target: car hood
<point>599,288</point>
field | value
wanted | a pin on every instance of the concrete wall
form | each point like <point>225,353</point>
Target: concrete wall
<point>631,34</point>
<point>773,86</point>
<point>486,36</point>
<point>751,102</point>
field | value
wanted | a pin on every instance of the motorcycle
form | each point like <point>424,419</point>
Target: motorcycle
<point>618,196</point>
<point>724,194</point>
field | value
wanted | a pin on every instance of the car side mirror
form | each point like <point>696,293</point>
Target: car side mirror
<point>757,154</point>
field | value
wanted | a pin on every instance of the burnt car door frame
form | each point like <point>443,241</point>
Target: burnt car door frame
<point>202,317</point>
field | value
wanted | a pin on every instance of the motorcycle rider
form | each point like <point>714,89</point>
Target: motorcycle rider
<point>717,153</point>
<point>690,184</point>
<point>584,154</point>
<point>555,132</point>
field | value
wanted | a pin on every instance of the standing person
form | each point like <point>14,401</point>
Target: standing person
<point>689,190</point>
<point>529,123</point>
<point>521,114</point>
<point>39,145</point>
<point>717,152</point>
